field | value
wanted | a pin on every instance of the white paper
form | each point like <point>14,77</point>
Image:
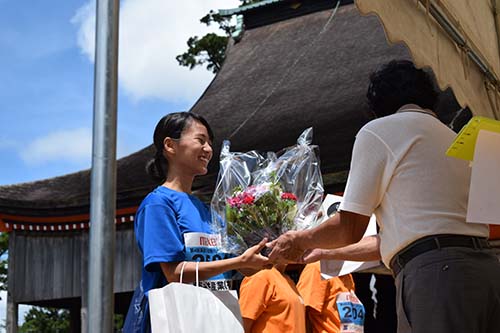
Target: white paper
<point>484,193</point>
<point>331,268</point>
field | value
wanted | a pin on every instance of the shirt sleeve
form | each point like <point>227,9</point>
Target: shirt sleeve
<point>372,166</point>
<point>311,287</point>
<point>254,296</point>
<point>162,239</point>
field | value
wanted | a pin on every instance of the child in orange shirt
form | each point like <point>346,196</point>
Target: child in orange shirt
<point>270,302</point>
<point>320,297</point>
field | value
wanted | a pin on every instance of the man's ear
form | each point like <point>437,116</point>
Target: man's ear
<point>169,145</point>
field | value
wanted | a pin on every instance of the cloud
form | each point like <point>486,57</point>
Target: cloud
<point>152,33</point>
<point>67,145</point>
<point>73,146</point>
<point>85,20</point>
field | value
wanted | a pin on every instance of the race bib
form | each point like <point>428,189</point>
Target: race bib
<point>205,247</point>
<point>351,312</point>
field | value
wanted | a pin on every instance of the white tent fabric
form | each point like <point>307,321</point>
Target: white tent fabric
<point>458,39</point>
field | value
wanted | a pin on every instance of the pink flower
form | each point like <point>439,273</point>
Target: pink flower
<point>234,201</point>
<point>288,196</point>
<point>241,199</point>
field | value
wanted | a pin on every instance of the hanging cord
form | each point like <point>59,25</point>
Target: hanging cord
<point>493,97</point>
<point>278,84</point>
<point>465,49</point>
<point>427,6</point>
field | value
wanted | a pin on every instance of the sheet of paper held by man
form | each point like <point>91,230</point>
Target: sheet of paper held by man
<point>331,268</point>
<point>484,190</point>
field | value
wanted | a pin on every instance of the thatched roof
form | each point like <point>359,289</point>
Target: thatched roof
<point>70,194</point>
<point>279,79</point>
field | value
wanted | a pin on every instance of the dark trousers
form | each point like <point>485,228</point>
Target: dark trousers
<point>450,290</point>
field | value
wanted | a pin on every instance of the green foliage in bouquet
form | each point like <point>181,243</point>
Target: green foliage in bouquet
<point>259,211</point>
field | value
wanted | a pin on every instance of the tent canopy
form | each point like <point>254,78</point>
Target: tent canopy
<point>458,39</point>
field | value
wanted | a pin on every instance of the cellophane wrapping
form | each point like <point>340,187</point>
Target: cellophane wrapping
<point>264,195</point>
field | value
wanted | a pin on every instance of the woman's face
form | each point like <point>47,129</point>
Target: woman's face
<point>193,150</point>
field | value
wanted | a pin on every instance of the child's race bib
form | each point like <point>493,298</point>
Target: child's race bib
<point>351,312</point>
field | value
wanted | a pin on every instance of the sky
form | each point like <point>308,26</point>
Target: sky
<point>46,85</point>
<point>46,90</point>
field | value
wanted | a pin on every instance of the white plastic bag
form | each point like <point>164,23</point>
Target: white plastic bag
<point>187,308</point>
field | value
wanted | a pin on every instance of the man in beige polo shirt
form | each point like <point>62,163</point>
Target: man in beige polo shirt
<point>447,277</point>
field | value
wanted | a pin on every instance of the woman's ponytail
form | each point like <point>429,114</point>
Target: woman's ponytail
<point>155,168</point>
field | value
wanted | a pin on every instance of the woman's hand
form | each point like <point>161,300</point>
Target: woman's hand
<point>252,259</point>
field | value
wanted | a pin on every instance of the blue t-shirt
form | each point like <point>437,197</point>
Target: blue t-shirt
<point>173,226</point>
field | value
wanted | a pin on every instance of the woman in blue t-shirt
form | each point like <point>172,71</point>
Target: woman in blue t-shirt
<point>173,226</point>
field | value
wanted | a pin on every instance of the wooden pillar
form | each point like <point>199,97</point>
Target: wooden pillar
<point>12,314</point>
<point>12,306</point>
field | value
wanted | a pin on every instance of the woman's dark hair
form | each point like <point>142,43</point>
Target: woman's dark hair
<point>172,125</point>
<point>398,83</point>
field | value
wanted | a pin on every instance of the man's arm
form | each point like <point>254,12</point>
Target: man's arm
<point>342,229</point>
<point>367,249</point>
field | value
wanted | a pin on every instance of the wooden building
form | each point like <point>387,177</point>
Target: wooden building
<point>296,64</point>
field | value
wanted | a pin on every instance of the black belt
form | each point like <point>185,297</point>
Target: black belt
<point>429,243</point>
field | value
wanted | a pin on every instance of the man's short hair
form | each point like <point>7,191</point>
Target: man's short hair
<point>398,83</point>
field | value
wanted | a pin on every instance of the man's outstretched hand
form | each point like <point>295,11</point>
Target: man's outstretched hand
<point>286,248</point>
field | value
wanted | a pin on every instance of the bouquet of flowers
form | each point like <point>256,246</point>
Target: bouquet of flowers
<point>257,196</point>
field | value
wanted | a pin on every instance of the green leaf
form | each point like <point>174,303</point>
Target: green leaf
<point>211,48</point>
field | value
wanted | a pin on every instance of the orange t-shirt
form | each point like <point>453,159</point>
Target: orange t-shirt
<point>320,297</point>
<point>273,302</point>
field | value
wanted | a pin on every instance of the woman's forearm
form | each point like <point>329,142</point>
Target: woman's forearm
<point>172,271</point>
<point>250,259</point>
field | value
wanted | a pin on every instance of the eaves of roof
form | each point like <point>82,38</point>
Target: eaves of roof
<point>243,9</point>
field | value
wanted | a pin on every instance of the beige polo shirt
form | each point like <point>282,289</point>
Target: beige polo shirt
<point>400,172</point>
